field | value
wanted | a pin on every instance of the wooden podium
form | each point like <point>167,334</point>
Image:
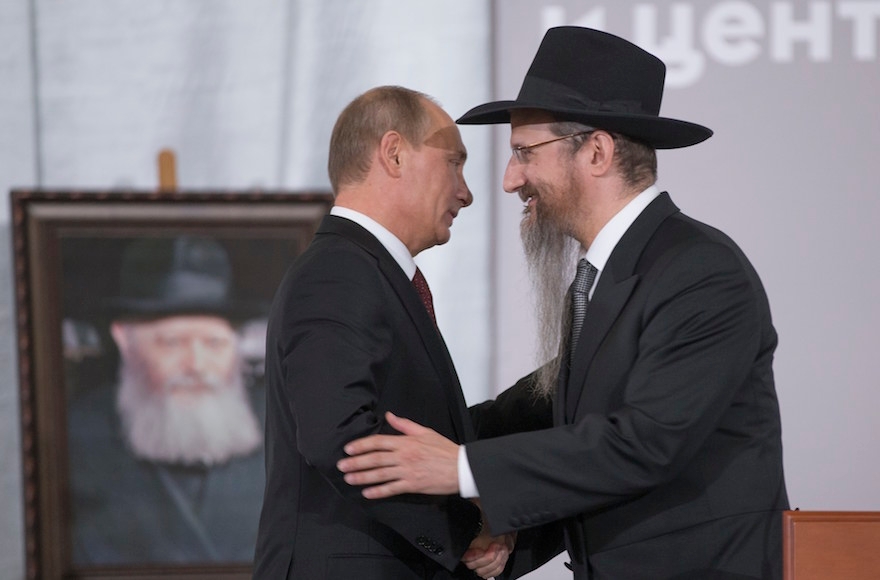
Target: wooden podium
<point>820,545</point>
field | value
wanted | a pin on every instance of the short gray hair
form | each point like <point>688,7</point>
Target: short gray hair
<point>362,124</point>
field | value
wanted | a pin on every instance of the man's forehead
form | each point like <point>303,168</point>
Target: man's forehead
<point>447,137</point>
<point>525,117</point>
<point>443,132</point>
<point>184,322</point>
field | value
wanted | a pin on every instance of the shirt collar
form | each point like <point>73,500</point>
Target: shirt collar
<point>389,241</point>
<point>610,234</point>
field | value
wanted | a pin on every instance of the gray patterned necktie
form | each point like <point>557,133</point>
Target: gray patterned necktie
<point>580,292</point>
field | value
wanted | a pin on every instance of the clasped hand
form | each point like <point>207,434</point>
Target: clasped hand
<point>487,554</point>
<point>419,461</point>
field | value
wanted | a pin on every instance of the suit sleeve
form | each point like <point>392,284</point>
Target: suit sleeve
<point>339,341</point>
<point>515,410</point>
<point>698,337</point>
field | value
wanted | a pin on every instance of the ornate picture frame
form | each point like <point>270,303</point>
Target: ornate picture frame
<point>94,504</point>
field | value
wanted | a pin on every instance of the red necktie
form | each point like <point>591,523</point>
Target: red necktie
<point>424,293</point>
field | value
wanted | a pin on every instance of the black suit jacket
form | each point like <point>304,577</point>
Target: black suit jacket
<point>349,339</point>
<point>665,457</point>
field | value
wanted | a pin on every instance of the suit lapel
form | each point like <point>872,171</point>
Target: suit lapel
<point>608,300</point>
<point>614,288</point>
<point>409,298</point>
<point>559,401</point>
<point>434,344</point>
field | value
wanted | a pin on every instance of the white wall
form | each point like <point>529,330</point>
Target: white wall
<point>17,165</point>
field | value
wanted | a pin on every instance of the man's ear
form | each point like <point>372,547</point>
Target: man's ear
<point>119,332</point>
<point>600,148</point>
<point>390,149</point>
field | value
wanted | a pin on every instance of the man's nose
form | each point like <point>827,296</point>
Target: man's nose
<point>464,194</point>
<point>197,356</point>
<point>514,179</point>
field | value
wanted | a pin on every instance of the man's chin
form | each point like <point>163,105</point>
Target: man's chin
<point>189,396</point>
<point>443,237</point>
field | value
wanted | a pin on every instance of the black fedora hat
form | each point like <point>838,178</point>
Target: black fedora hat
<point>601,80</point>
<point>178,275</point>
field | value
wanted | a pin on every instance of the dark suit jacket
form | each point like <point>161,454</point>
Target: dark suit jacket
<point>348,340</point>
<point>665,460</point>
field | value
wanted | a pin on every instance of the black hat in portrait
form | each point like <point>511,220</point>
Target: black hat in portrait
<point>178,275</point>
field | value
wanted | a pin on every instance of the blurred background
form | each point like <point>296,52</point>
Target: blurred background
<point>246,94</point>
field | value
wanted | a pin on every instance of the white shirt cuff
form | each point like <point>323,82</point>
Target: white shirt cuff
<point>467,487</point>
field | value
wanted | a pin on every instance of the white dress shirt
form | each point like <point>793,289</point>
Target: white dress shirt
<point>392,243</point>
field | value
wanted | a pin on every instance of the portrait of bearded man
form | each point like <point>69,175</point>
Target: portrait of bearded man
<point>166,463</point>
<point>181,393</point>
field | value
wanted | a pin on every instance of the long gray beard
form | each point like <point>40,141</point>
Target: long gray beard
<point>551,257</point>
<point>217,426</point>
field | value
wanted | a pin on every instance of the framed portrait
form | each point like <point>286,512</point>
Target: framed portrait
<point>141,334</point>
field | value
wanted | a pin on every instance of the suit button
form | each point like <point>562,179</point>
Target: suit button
<point>429,545</point>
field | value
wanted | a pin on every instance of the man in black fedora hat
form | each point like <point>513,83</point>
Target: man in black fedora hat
<point>657,453</point>
<point>166,463</point>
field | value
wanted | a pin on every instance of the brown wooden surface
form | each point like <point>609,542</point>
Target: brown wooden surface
<point>167,170</point>
<point>825,545</point>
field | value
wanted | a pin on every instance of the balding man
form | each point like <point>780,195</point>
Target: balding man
<point>351,336</point>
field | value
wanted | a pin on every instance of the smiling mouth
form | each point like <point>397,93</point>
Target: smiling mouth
<point>528,201</point>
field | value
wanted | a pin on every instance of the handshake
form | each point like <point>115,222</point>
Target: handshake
<point>488,554</point>
<point>420,460</point>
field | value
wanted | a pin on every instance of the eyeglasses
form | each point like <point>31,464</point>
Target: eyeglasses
<point>521,153</point>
